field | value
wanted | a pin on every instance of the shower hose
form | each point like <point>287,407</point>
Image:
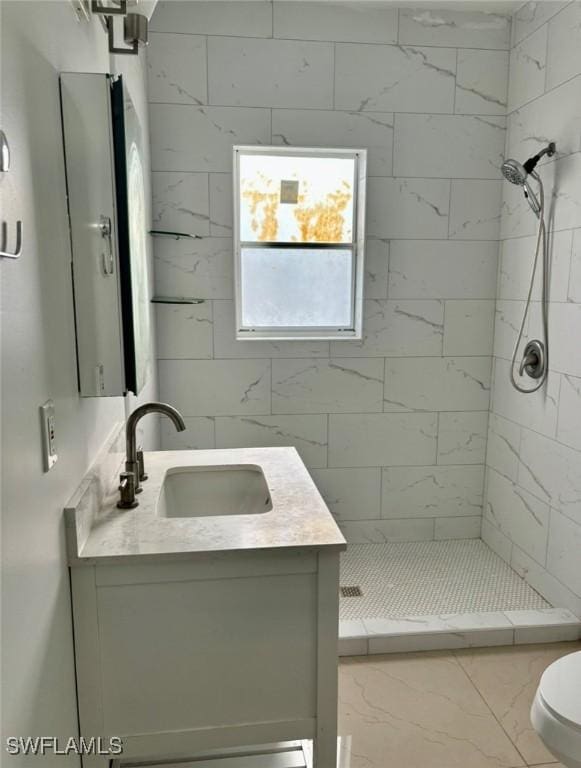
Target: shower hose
<point>541,244</point>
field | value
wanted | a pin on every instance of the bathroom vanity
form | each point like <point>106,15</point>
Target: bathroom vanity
<point>206,617</point>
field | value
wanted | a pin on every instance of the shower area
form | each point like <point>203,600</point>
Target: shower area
<point>445,442</point>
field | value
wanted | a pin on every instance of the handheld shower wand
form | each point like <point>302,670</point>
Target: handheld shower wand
<point>517,173</point>
<point>535,357</point>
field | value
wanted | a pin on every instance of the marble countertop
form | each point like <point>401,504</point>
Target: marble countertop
<point>98,532</point>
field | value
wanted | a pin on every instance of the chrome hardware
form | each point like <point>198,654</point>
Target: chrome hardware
<point>141,466</point>
<point>127,488</point>
<point>533,361</point>
<point>105,228</point>
<point>134,466</point>
<point>4,153</point>
<point>11,254</point>
<point>108,10</point>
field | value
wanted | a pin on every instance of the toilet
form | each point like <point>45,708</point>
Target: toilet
<point>556,710</point>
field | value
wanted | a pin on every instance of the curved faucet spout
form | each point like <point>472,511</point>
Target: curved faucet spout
<point>132,464</point>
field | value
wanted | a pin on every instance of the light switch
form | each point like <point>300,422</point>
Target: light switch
<point>47,419</point>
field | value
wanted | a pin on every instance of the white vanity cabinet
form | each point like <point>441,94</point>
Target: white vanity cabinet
<point>213,651</point>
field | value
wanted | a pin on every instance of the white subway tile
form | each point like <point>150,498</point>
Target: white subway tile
<point>226,345</point>
<point>393,78</point>
<point>468,327</point>
<point>308,434</point>
<point>496,540</point>
<point>379,531</point>
<point>317,127</point>
<point>551,472</point>
<point>475,209</point>
<point>342,385</point>
<point>404,208</point>
<point>198,435</point>
<point>350,494</point>
<point>221,206</point>
<point>564,325</point>
<point>554,117</point>
<point>176,69</point>
<point>563,49</point>
<point>481,82</point>
<point>201,138</point>
<point>428,269</point>
<point>361,22</point>
<point>200,269</point>
<point>397,328</point>
<point>376,269</point>
<point>270,73</point>
<point>462,437</point>
<point>563,551</point>
<point>518,515</point>
<point>457,528</point>
<point>532,15</point>
<point>537,410</point>
<point>527,69</point>
<point>516,264</point>
<point>569,420</point>
<point>382,439</point>
<point>431,491</point>
<point>180,202</point>
<point>423,26</point>
<point>437,384</point>
<point>467,146</point>
<point>250,19</point>
<point>574,289</point>
<point>507,323</point>
<point>216,387</point>
<point>184,331</point>
<point>503,446</point>
<point>544,582</point>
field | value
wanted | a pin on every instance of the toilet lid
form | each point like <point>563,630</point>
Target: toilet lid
<point>560,688</point>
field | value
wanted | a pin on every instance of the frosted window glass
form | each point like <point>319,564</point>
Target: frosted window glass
<point>296,287</point>
<point>296,199</point>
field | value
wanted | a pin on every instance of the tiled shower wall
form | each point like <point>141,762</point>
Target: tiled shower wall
<point>533,512</point>
<point>393,428</point>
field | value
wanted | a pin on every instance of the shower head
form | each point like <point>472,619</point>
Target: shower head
<point>514,172</point>
<point>517,173</point>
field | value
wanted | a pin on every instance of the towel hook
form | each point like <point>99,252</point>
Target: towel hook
<point>5,166</point>
<point>8,254</point>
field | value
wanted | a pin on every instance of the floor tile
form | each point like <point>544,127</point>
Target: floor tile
<point>418,711</point>
<point>507,679</point>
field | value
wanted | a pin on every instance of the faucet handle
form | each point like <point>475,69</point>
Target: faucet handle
<point>127,486</point>
<point>141,466</point>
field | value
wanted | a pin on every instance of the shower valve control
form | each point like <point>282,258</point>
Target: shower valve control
<point>533,361</point>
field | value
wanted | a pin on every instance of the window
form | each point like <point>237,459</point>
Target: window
<point>298,241</point>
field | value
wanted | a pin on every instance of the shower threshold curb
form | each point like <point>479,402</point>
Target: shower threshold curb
<point>362,637</point>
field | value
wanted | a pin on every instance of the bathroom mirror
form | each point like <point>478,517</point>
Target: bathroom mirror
<point>107,210</point>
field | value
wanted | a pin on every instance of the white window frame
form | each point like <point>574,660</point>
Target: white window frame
<point>357,246</point>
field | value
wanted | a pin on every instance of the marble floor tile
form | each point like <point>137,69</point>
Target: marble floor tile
<point>507,679</point>
<point>418,711</point>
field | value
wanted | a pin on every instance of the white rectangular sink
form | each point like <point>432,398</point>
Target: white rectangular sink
<point>214,491</point>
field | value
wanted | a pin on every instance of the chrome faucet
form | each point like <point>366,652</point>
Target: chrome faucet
<point>134,466</point>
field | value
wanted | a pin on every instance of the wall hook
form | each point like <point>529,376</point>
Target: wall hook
<point>18,251</point>
<point>4,153</point>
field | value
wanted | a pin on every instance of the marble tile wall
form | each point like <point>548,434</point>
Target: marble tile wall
<point>392,427</point>
<point>532,513</point>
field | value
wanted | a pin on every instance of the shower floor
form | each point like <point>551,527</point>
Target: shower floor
<point>440,595</point>
<point>431,577</point>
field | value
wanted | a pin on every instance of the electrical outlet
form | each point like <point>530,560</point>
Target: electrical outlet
<point>47,419</point>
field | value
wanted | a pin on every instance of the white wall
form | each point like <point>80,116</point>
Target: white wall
<point>39,40</point>
<point>533,511</point>
<point>394,428</point>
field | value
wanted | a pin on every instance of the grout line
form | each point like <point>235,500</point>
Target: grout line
<point>481,695</point>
